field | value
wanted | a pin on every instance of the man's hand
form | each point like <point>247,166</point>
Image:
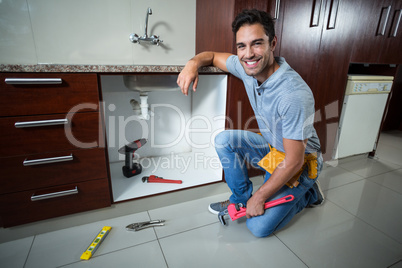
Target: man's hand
<point>255,207</point>
<point>190,72</point>
<point>187,76</point>
<point>294,151</point>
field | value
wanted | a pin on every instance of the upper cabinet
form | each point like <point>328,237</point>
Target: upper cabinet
<point>379,33</point>
<point>301,36</point>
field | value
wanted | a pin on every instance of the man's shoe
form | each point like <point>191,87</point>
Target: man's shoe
<point>215,208</point>
<point>320,195</point>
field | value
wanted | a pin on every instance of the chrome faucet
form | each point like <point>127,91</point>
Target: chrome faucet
<point>154,39</point>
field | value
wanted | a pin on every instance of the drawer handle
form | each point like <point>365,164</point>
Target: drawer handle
<point>333,13</point>
<point>277,5</point>
<point>382,26</point>
<point>49,160</point>
<point>41,123</point>
<point>33,81</point>
<point>54,195</point>
<point>397,22</point>
<point>315,15</point>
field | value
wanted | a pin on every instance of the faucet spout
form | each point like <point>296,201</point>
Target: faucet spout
<point>149,12</point>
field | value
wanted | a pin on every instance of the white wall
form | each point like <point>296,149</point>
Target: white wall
<point>95,31</point>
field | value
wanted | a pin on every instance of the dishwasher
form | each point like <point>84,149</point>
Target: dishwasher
<point>362,112</point>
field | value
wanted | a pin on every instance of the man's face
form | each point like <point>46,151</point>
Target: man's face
<point>254,51</point>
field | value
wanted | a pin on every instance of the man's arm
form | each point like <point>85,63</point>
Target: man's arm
<point>190,72</point>
<point>294,159</point>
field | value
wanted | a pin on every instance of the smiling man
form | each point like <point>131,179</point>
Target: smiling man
<point>287,148</point>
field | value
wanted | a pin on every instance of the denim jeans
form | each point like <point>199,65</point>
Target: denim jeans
<point>237,149</point>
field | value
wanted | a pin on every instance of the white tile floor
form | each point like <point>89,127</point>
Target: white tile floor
<point>360,225</point>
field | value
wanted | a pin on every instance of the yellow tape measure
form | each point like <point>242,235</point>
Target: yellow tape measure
<point>96,243</point>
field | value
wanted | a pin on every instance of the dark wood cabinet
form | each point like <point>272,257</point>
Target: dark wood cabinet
<point>316,42</point>
<point>332,69</point>
<point>319,39</point>
<point>379,33</point>
<point>53,161</point>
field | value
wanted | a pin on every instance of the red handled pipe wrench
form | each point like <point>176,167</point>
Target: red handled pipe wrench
<point>156,179</point>
<point>238,210</point>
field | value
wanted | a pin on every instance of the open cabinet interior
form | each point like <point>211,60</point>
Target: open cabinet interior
<point>180,132</point>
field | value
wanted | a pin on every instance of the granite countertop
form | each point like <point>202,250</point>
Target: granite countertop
<point>64,68</point>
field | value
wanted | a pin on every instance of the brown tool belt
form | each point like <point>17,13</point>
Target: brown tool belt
<point>275,158</point>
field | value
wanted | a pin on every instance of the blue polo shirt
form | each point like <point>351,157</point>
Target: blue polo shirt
<point>283,105</point>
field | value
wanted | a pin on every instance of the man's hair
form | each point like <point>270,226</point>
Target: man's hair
<point>253,16</point>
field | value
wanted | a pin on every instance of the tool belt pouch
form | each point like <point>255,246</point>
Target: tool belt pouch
<point>275,158</point>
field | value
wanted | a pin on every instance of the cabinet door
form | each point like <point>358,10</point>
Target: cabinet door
<point>392,45</point>
<point>316,40</point>
<point>300,44</point>
<point>367,42</point>
<point>275,8</point>
<point>331,76</point>
<point>378,38</point>
<point>213,26</point>
<point>34,205</point>
<point>301,34</point>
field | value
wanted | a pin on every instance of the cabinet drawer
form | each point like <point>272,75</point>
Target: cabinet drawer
<point>20,96</point>
<point>18,208</point>
<point>81,131</point>
<point>44,170</point>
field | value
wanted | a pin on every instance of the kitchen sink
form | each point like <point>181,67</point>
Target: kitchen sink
<point>151,83</point>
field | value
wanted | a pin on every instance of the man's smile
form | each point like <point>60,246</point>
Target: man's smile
<point>251,63</point>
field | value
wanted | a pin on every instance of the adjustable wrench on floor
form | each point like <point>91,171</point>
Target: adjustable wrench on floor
<point>238,210</point>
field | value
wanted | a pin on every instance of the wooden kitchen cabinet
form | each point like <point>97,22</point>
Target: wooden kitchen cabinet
<point>379,35</point>
<point>317,38</point>
<point>28,206</point>
<point>322,50</point>
<point>46,93</point>
<point>52,156</point>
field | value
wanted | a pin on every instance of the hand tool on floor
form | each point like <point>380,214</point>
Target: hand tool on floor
<point>96,243</point>
<point>145,224</point>
<point>130,168</point>
<point>238,210</point>
<point>156,179</point>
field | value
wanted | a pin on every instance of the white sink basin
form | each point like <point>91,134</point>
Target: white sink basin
<point>151,83</point>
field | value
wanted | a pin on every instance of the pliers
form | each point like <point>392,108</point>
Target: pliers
<point>238,210</point>
<point>145,224</point>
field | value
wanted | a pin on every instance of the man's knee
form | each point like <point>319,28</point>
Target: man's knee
<point>222,138</point>
<point>226,139</point>
<point>258,229</point>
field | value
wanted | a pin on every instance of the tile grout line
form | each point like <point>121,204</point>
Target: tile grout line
<point>29,252</point>
<point>386,186</point>
<point>159,242</point>
<point>297,256</point>
<point>348,183</point>
<point>391,170</point>
<point>363,178</point>
<point>107,253</point>
<point>357,217</point>
<point>188,230</point>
